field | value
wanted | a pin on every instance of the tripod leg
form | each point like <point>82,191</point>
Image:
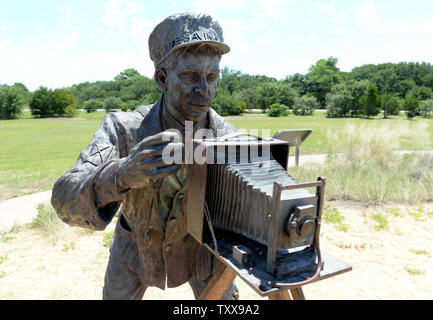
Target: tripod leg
<point>218,284</point>
<point>281,295</point>
<point>297,293</point>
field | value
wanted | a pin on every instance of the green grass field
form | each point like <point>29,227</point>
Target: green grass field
<point>35,152</point>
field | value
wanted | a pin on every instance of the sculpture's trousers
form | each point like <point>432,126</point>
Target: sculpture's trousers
<point>121,280</point>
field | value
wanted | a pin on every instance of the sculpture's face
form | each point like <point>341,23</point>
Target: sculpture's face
<point>191,86</point>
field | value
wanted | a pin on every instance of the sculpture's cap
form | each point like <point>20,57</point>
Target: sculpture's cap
<point>181,30</point>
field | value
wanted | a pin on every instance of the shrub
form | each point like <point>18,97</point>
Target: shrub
<point>410,105</point>
<point>92,105</point>
<point>133,104</point>
<point>112,103</point>
<point>242,105</point>
<point>63,103</point>
<point>124,107</point>
<point>426,107</point>
<point>390,105</point>
<point>336,106</point>
<point>40,105</point>
<point>47,221</point>
<point>71,111</point>
<point>305,106</point>
<point>370,101</point>
<point>278,110</point>
<point>11,101</point>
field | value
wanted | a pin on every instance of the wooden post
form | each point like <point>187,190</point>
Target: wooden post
<point>297,155</point>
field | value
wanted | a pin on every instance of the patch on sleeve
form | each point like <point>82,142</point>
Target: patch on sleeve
<point>99,153</point>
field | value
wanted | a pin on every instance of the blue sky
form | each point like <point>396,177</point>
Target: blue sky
<point>60,43</point>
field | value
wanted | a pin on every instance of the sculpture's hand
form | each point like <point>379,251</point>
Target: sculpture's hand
<point>146,162</point>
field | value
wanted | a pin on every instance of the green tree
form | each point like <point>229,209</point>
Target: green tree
<point>229,80</point>
<point>321,77</point>
<point>63,103</point>
<point>338,104</point>
<point>277,110</point>
<point>268,94</point>
<point>426,107</point>
<point>40,104</point>
<point>226,104</point>
<point>287,94</point>
<point>420,93</point>
<point>92,105</point>
<point>305,106</point>
<point>24,92</point>
<point>133,104</point>
<point>370,101</point>
<point>357,90</point>
<point>298,82</point>
<point>127,74</point>
<point>112,103</point>
<point>11,101</point>
<point>410,105</point>
<point>390,105</point>
<point>153,97</point>
<point>345,98</point>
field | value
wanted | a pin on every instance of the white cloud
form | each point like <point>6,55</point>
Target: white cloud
<point>301,39</point>
<point>353,54</point>
<point>139,32</point>
<point>70,40</point>
<point>273,9</point>
<point>338,31</point>
<point>261,42</point>
<point>329,11</point>
<point>210,6</point>
<point>234,33</point>
<point>340,18</point>
<point>53,64</point>
<point>122,19</point>
<point>117,13</point>
<point>368,17</point>
<point>65,16</point>
<point>369,20</point>
<point>328,8</point>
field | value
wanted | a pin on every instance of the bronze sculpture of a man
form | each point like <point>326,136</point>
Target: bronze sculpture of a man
<point>124,166</point>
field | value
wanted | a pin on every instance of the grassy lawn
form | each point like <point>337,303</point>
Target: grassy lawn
<point>34,153</point>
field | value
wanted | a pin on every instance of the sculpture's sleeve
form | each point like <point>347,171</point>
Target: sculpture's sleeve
<point>87,195</point>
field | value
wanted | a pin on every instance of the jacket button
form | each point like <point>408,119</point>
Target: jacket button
<point>168,248</point>
<point>181,196</point>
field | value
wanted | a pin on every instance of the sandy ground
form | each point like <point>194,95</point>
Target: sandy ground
<point>388,264</point>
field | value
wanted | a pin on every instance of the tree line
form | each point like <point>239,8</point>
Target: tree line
<point>365,91</point>
<point>370,89</point>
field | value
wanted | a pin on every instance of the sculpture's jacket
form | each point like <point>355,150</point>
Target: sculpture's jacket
<point>87,196</point>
